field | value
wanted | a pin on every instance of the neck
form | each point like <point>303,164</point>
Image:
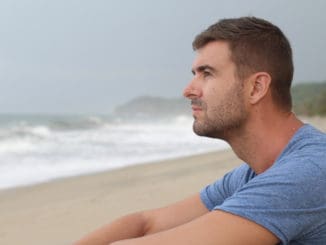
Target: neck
<point>261,141</point>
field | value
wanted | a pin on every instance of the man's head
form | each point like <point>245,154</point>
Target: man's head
<point>256,45</point>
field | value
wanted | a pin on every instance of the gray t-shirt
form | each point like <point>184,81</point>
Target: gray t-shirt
<point>289,198</point>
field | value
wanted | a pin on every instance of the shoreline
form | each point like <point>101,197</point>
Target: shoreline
<point>103,171</point>
<point>317,121</point>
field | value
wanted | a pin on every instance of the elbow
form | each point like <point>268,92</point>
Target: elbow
<point>146,224</point>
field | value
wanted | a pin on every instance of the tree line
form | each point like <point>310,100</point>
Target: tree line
<point>309,98</point>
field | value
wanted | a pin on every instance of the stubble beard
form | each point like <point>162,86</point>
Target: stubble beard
<point>224,119</point>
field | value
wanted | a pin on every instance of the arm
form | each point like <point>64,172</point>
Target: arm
<point>147,222</point>
<point>216,227</point>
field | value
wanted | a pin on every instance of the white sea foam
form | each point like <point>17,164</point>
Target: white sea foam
<point>36,150</point>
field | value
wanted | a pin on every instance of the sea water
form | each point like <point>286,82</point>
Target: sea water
<point>36,149</point>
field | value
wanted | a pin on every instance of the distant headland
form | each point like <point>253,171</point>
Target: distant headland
<point>309,99</point>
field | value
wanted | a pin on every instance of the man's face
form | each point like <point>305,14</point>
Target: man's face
<point>216,94</point>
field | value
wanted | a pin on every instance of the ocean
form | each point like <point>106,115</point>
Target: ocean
<point>38,148</point>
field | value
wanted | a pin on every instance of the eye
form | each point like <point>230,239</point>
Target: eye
<point>206,73</point>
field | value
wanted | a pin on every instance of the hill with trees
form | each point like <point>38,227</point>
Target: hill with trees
<point>145,107</point>
<point>309,99</point>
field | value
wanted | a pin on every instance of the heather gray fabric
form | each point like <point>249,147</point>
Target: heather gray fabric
<point>289,198</point>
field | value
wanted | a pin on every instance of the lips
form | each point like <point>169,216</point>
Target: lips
<point>196,108</point>
<point>196,105</point>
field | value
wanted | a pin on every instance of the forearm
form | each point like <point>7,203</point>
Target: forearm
<point>147,222</point>
<point>127,227</point>
<point>216,227</point>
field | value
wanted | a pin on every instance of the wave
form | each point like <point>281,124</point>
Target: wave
<point>55,147</point>
<point>84,123</point>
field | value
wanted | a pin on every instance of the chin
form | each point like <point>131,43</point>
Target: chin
<point>204,131</point>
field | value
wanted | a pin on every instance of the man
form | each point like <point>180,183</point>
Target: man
<point>240,93</point>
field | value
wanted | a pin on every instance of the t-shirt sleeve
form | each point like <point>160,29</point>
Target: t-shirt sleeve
<point>215,193</point>
<point>288,200</point>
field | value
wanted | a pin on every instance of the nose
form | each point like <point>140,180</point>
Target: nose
<point>192,91</point>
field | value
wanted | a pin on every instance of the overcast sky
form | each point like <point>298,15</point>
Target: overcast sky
<point>68,56</point>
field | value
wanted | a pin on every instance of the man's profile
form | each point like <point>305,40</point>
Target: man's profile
<point>240,92</point>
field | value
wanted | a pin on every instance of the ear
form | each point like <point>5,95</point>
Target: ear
<point>259,86</point>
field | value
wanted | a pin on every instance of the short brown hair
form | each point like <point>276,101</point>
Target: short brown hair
<point>255,45</point>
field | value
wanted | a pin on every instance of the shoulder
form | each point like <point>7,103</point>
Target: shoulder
<point>306,150</point>
<point>288,199</point>
<point>308,140</point>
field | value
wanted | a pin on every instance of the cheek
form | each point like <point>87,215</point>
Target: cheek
<point>213,99</point>
<point>214,94</point>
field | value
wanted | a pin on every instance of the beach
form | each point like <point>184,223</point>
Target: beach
<point>61,211</point>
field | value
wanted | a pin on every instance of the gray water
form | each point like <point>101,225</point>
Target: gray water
<point>36,148</point>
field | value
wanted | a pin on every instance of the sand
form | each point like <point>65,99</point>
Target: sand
<point>61,211</point>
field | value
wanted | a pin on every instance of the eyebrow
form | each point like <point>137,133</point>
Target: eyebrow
<point>203,68</point>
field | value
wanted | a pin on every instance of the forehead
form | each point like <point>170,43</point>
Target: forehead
<point>216,54</point>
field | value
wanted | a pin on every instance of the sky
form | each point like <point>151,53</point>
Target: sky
<point>87,57</point>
